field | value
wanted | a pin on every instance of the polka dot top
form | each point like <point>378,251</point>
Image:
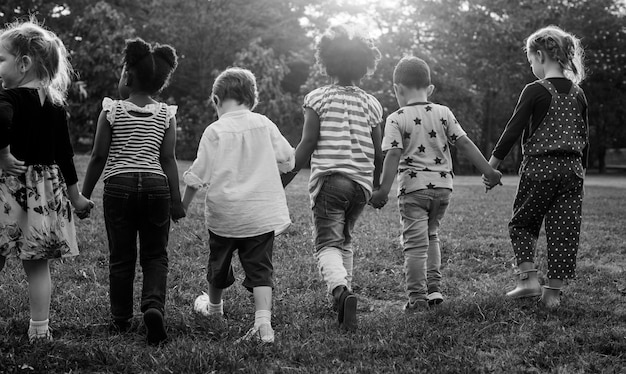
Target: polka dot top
<point>556,146</point>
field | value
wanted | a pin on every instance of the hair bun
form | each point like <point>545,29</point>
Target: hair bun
<point>135,50</point>
<point>167,53</point>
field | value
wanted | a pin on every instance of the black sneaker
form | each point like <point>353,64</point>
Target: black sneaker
<point>119,326</point>
<point>153,319</point>
<point>346,310</point>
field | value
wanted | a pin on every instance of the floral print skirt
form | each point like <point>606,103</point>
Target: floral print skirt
<point>35,215</point>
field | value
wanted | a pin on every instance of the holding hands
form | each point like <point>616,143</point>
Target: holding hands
<point>379,198</point>
<point>82,206</point>
<point>492,179</point>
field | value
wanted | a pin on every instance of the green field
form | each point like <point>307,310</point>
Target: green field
<point>476,330</point>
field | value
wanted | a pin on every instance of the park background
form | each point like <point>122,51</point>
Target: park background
<point>475,49</point>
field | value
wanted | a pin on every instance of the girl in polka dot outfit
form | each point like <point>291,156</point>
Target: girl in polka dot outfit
<point>551,118</point>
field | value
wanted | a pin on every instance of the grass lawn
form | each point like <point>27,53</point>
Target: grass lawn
<point>476,330</point>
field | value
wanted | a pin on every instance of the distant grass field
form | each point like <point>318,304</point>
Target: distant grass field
<point>476,330</point>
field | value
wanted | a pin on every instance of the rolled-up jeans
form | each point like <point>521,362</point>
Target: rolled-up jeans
<point>338,205</point>
<point>137,204</point>
<point>421,213</point>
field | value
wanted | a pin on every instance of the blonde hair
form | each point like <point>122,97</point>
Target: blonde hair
<point>49,56</point>
<point>562,47</point>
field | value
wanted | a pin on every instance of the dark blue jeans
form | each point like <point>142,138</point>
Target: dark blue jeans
<point>137,203</point>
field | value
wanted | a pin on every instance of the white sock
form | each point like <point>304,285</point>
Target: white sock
<point>262,317</point>
<point>38,328</point>
<point>216,308</point>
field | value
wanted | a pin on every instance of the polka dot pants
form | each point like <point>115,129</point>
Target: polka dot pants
<point>559,202</point>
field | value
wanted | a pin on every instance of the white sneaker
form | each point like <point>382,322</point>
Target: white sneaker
<point>201,305</point>
<point>263,334</point>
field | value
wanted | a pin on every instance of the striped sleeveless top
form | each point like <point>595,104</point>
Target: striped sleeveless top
<point>347,115</point>
<point>136,138</point>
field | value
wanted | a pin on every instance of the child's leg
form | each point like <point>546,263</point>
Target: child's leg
<point>529,208</point>
<point>348,263</point>
<point>563,232</point>
<point>414,216</point>
<point>255,254</point>
<point>39,292</point>
<point>433,264</point>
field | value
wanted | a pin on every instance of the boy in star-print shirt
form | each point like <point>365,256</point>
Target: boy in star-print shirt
<point>417,139</point>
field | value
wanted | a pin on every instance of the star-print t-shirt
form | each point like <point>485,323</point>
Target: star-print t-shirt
<point>424,133</point>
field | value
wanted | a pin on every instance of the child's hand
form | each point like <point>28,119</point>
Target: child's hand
<point>492,179</point>
<point>11,165</point>
<point>177,212</point>
<point>379,199</point>
<point>82,207</point>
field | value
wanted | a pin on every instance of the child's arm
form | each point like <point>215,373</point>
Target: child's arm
<point>469,149</point>
<point>190,193</point>
<point>10,164</point>
<point>170,168</point>
<point>390,168</point>
<point>99,155</point>
<point>377,135</point>
<point>310,135</point>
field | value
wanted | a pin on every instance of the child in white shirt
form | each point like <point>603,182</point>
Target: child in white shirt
<point>239,161</point>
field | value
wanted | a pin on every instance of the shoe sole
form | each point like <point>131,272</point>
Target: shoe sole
<point>153,319</point>
<point>349,313</point>
<point>523,294</point>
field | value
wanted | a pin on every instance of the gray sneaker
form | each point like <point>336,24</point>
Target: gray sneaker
<point>415,306</point>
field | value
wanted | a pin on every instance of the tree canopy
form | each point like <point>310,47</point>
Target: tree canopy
<point>474,48</point>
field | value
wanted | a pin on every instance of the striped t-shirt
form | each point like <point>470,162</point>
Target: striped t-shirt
<point>347,115</point>
<point>136,136</point>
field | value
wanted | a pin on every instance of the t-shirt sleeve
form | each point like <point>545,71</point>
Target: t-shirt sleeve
<point>375,112</point>
<point>6,119</point>
<point>64,153</point>
<point>108,105</point>
<point>314,100</point>
<point>393,133</point>
<point>199,173</point>
<point>171,113</point>
<point>454,131</point>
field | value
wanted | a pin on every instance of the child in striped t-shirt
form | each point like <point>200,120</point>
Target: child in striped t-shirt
<point>134,146</point>
<point>342,137</point>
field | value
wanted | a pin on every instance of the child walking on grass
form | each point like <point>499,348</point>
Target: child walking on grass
<point>418,137</point>
<point>551,119</point>
<point>37,173</point>
<point>134,146</point>
<point>341,136</point>
<point>239,161</point>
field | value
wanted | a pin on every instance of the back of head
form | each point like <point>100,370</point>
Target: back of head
<point>237,84</point>
<point>152,66</point>
<point>347,54</point>
<point>47,53</point>
<point>561,47</point>
<point>412,72</point>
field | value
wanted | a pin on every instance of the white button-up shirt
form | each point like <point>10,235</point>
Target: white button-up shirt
<point>239,161</point>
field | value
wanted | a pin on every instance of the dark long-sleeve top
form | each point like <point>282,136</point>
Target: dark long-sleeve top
<point>531,108</point>
<point>38,134</point>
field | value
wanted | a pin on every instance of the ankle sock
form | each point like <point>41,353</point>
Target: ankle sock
<point>262,317</point>
<point>216,308</point>
<point>38,329</point>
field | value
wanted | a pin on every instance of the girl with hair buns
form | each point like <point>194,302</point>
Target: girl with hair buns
<point>551,118</point>
<point>134,148</point>
<point>37,174</point>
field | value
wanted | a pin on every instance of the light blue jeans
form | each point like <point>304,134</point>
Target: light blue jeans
<point>421,213</point>
<point>338,205</point>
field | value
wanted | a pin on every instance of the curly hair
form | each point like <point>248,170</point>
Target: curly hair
<point>152,66</point>
<point>562,47</point>
<point>49,55</point>
<point>346,54</point>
